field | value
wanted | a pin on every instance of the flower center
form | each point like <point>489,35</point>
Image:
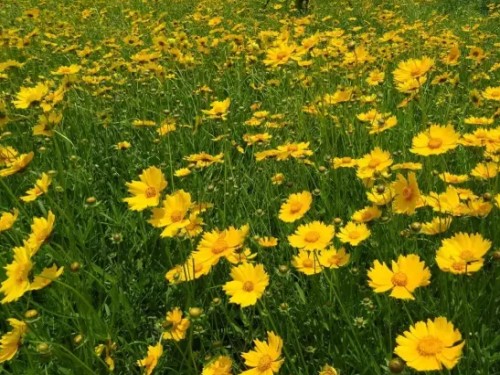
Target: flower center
<point>248,286</point>
<point>265,363</point>
<point>374,163</point>
<point>150,192</point>
<point>346,159</point>
<point>176,216</point>
<point>467,256</point>
<point>308,263</point>
<point>219,246</point>
<point>458,266</point>
<point>335,259</point>
<point>295,207</point>
<point>434,143</point>
<point>354,234</point>
<point>312,236</point>
<point>399,279</point>
<point>407,193</point>
<point>430,345</point>
<point>292,148</point>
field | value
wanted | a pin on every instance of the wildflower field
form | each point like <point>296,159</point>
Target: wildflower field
<point>249,187</point>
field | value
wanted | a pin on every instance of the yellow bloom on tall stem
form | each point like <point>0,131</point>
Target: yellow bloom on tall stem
<point>307,262</point>
<point>265,359</point>
<point>146,192</point>
<point>17,164</point>
<point>41,187</point>
<point>248,284</point>
<point>312,236</point>
<point>407,195</point>
<point>430,346</point>
<point>29,95</point>
<point>463,253</point>
<point>219,109</point>
<point>41,229</point>
<point>217,244</point>
<point>7,219</point>
<point>377,161</point>
<point>173,216</point>
<point>220,366</point>
<point>176,326</point>
<point>10,341</point>
<point>151,360</point>
<point>435,140</point>
<point>17,282</point>
<point>333,258</point>
<point>407,274</point>
<point>353,233</point>
<point>295,207</point>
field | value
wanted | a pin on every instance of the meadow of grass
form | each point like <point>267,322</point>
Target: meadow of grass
<point>381,116</point>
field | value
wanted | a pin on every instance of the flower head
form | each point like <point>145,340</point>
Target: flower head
<point>248,284</point>
<point>430,346</point>
<point>151,360</point>
<point>407,274</point>
<point>146,192</point>
<point>265,359</point>
<point>295,207</point>
<point>435,140</point>
<point>312,236</point>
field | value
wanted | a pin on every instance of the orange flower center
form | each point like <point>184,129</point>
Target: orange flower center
<point>308,263</point>
<point>334,259</point>
<point>346,159</point>
<point>150,192</point>
<point>374,163</point>
<point>295,207</point>
<point>176,216</point>
<point>248,286</point>
<point>219,246</point>
<point>467,255</point>
<point>434,143</point>
<point>399,279</point>
<point>458,266</point>
<point>265,363</point>
<point>354,234</point>
<point>430,345</point>
<point>292,148</point>
<point>312,236</point>
<point>407,193</point>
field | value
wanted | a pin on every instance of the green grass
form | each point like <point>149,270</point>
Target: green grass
<point>120,292</point>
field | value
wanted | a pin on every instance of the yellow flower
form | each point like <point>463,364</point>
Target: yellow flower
<point>436,226</point>
<point>146,192</point>
<point>268,241</point>
<point>435,140</point>
<point>307,262</point>
<point>430,346</point>
<point>278,179</point>
<point>46,277</point>
<point>41,228</point>
<point>344,162</point>
<point>203,159</point>
<point>182,172</point>
<point>411,73</point>
<point>67,70</point>
<point>312,236</point>
<point>353,233</point>
<point>366,214</point>
<point>176,325</point>
<point>18,164</point>
<point>265,359</point>
<point>377,160</point>
<point>375,77</point>
<point>10,341</point>
<point>248,284</point>
<point>407,195</point>
<point>492,93</point>
<point>407,274</point>
<point>123,145</point>
<point>7,219</point>
<point>479,120</point>
<point>151,360</point>
<point>173,215</point>
<point>217,244</point>
<point>381,198</point>
<point>219,109</point>
<point>485,171</point>
<point>17,272</point>
<point>328,370</point>
<point>29,95</point>
<point>220,366</point>
<point>41,187</point>
<point>463,253</point>
<point>450,178</point>
<point>279,55</point>
<point>331,258</point>
<point>295,207</point>
<point>447,202</point>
